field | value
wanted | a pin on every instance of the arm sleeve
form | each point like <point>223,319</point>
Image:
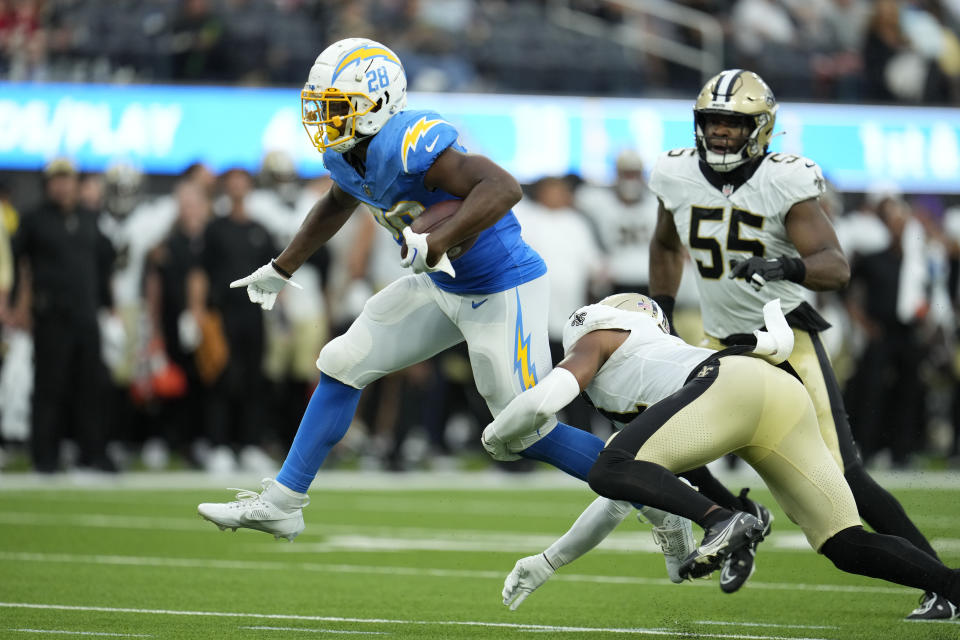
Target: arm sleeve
<point>535,407</point>
<point>595,523</point>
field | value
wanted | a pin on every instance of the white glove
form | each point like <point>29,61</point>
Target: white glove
<point>528,574</point>
<point>263,285</point>
<point>496,447</point>
<point>776,343</point>
<point>416,257</point>
<point>188,331</point>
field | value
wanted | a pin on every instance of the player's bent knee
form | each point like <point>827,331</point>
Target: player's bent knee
<point>611,475</point>
<point>340,357</point>
<point>844,549</point>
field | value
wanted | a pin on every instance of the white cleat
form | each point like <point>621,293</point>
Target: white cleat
<point>251,511</point>
<point>674,535</point>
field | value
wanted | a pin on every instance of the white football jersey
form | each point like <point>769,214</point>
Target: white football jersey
<point>625,230</point>
<point>649,366</point>
<point>720,224</point>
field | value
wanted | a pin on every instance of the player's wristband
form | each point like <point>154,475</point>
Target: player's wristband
<point>794,269</point>
<point>278,269</point>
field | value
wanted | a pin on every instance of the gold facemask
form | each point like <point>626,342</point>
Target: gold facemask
<point>330,117</point>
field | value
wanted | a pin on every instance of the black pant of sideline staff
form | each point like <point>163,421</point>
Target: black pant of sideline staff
<point>67,391</point>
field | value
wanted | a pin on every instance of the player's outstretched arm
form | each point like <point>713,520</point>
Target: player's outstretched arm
<point>597,521</point>
<point>519,424</point>
<point>812,234</point>
<point>325,218</point>
<point>487,190</point>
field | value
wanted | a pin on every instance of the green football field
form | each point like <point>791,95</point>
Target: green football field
<point>410,556</point>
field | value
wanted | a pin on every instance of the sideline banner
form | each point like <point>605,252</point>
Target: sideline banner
<point>165,128</point>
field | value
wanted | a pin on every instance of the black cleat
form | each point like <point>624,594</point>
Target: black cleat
<point>737,569</point>
<point>934,607</point>
<point>739,565</point>
<point>737,532</point>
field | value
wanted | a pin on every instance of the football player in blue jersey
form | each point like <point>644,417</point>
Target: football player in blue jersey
<point>398,163</point>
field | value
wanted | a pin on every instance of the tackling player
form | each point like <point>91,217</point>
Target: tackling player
<point>398,163</point>
<point>686,406</point>
<point>755,230</point>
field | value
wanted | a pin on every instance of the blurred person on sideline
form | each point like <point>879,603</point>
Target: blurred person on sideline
<point>16,344</point>
<point>624,215</point>
<point>236,421</point>
<point>198,42</point>
<point>64,263</point>
<point>116,413</point>
<point>177,330</point>
<point>893,300</point>
<point>891,60</point>
<point>139,223</point>
<point>299,327</point>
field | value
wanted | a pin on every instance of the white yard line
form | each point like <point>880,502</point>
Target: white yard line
<point>269,565</point>
<point>83,633</point>
<point>305,630</point>
<point>375,538</point>
<point>764,624</point>
<point>336,538</point>
<point>460,623</point>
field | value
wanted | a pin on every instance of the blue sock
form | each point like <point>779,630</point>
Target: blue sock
<point>328,416</point>
<point>567,448</point>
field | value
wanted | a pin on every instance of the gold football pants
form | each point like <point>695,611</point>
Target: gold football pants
<point>745,406</point>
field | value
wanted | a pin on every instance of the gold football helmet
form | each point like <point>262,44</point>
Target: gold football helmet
<point>639,303</point>
<point>741,95</point>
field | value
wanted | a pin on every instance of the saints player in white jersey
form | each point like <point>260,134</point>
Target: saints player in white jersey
<point>752,223</point>
<point>687,406</point>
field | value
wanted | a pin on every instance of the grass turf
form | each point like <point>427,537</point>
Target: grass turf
<point>411,563</point>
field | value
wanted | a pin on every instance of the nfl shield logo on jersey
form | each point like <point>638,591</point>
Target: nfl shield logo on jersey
<point>727,190</point>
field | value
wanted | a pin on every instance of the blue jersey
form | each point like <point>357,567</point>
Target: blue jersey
<point>398,157</point>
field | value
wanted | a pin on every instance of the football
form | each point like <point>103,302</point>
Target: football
<point>434,216</point>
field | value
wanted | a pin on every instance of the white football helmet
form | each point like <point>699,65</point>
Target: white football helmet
<point>354,87</point>
<point>122,186</point>
<point>739,94</point>
<point>639,303</point>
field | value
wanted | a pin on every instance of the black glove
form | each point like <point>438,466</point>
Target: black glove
<point>759,271</point>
